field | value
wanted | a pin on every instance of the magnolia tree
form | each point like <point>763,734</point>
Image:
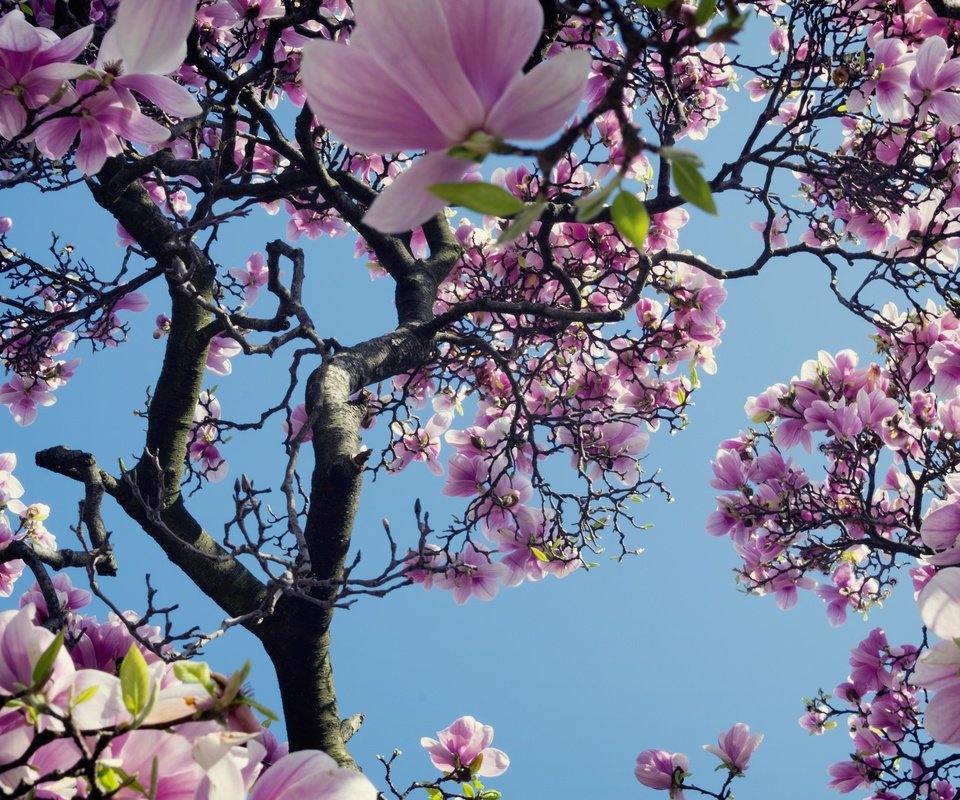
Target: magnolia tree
<point>541,336</point>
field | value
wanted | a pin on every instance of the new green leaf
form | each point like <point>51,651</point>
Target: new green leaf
<point>134,681</point>
<point>631,218</point>
<point>483,198</point>
<point>691,184</point>
<point>43,669</point>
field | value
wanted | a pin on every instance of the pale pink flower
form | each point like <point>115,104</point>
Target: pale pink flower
<point>311,774</point>
<point>222,349</point>
<point>735,747</point>
<point>148,41</point>
<point>23,395</point>
<point>933,80</point>
<point>660,769</point>
<point>472,573</point>
<point>463,742</point>
<point>888,76</point>
<point>434,75</point>
<point>252,277</point>
<point>33,68</point>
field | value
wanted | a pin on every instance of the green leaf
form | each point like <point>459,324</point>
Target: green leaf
<point>539,554</point>
<point>657,4</point>
<point>705,11</point>
<point>491,794</point>
<point>631,218</point>
<point>193,672</point>
<point>694,377</point>
<point>484,198</point>
<point>249,701</point>
<point>468,790</point>
<point>475,765</point>
<point>43,669</point>
<point>134,681</point>
<point>589,206</point>
<point>691,184</point>
<point>85,695</point>
<point>433,794</point>
<point>522,222</point>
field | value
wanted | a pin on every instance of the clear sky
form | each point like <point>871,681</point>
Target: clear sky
<point>577,676</point>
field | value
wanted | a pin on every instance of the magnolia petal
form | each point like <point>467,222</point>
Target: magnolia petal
<point>149,37</point>
<point>940,604</point>
<point>946,105</point>
<point>930,58</point>
<point>495,762</point>
<point>92,152</point>
<point>387,121</point>
<point>406,203</point>
<point>412,41</point>
<point>942,717</point>
<point>941,527</point>
<point>54,137</point>
<point>67,48</point>
<point>311,774</point>
<point>166,94</point>
<point>537,104</point>
<point>493,41</point>
<point>18,36</point>
<point>13,116</point>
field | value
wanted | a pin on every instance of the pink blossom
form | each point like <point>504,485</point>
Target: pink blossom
<point>660,769</point>
<point>940,603</point>
<point>298,418</point>
<point>472,573</point>
<point>436,75</point>
<point>148,41</point>
<point>23,395</point>
<point>222,349</point>
<point>33,68</point>
<point>735,747</point>
<point>465,745</point>
<point>847,776</point>
<point>252,277</point>
<point>308,774</point>
<point>888,76</point>
<point>933,79</point>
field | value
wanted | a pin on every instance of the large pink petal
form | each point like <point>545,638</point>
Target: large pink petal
<point>942,717</point>
<point>54,137</point>
<point>930,58</point>
<point>492,41</point>
<point>164,93</point>
<point>537,104</point>
<point>66,49</point>
<point>940,603</point>
<point>946,105</point>
<point>412,41</point>
<point>19,42</point>
<point>92,152</point>
<point>149,36</point>
<point>361,103</point>
<point>309,774</point>
<point>13,116</point>
<point>406,203</point>
<point>941,527</point>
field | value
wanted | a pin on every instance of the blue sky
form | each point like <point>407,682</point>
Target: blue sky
<point>577,676</point>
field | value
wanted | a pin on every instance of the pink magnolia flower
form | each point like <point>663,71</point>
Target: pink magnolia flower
<point>888,76</point>
<point>660,769</point>
<point>472,573</point>
<point>147,42</point>
<point>222,349</point>
<point>251,277</point>
<point>735,747</point>
<point>23,395</point>
<point>933,79</point>
<point>460,746</point>
<point>435,75</point>
<point>33,67</point>
<point>311,773</point>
